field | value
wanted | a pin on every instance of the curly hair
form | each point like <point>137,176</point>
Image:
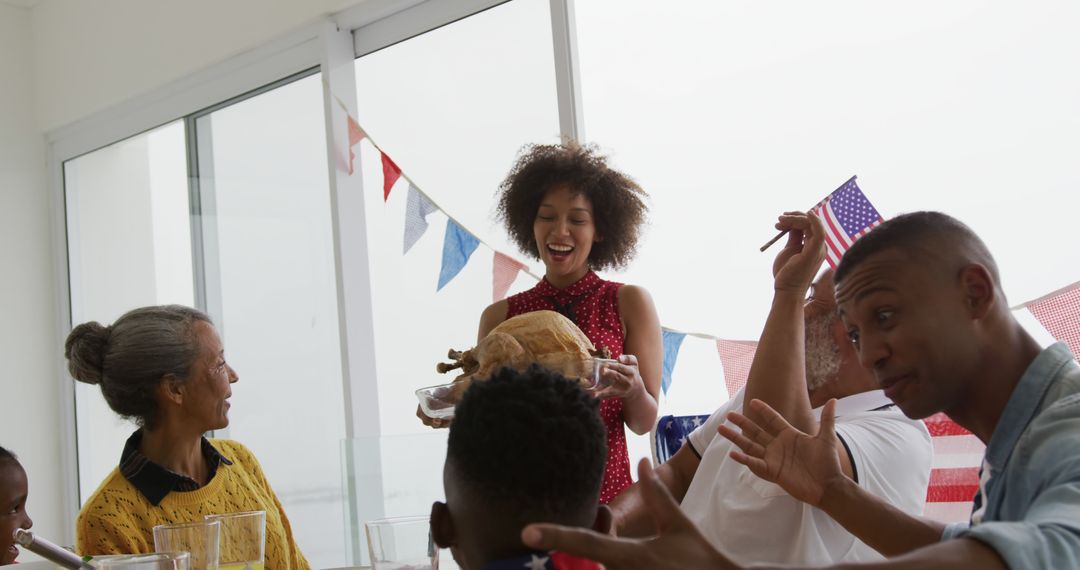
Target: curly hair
<point>531,444</point>
<point>618,202</point>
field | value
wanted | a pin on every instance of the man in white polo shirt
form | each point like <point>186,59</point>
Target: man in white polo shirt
<point>887,454</point>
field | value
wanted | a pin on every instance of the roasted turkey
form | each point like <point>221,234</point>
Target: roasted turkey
<point>542,337</point>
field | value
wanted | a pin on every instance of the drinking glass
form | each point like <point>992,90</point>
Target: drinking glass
<point>243,540</point>
<point>200,538</point>
<point>598,365</point>
<point>156,561</point>
<point>401,542</point>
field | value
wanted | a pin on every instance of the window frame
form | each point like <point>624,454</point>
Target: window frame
<point>329,46</point>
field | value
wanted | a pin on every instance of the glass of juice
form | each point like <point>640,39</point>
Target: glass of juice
<point>243,540</point>
<point>156,561</point>
<point>401,543</point>
<point>200,538</point>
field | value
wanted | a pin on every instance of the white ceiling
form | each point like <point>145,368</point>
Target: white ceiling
<point>20,3</point>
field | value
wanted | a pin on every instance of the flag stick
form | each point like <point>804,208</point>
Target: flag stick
<point>781,234</point>
<point>773,240</point>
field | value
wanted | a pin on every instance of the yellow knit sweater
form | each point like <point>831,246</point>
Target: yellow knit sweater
<point>119,520</point>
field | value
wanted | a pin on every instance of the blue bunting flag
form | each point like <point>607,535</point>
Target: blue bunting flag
<point>458,245</point>
<point>672,342</point>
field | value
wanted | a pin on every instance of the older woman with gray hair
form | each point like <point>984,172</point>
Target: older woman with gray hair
<point>164,367</point>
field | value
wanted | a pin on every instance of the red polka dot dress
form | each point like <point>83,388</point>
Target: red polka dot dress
<point>593,305</point>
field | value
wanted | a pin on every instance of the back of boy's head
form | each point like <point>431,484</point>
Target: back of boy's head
<point>528,446</point>
<point>7,456</point>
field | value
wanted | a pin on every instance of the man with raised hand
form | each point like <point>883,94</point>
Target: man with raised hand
<point>922,301</point>
<point>803,360</point>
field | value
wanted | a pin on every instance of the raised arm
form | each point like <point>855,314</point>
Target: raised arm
<point>808,468</point>
<point>636,378</point>
<point>778,373</point>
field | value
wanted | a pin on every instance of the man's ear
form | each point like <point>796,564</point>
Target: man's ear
<point>442,525</point>
<point>979,290</point>
<point>171,389</point>
<point>604,519</point>
<point>841,339</point>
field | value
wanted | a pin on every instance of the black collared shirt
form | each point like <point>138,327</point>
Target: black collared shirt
<point>155,481</point>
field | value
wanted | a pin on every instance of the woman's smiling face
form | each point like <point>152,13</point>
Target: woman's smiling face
<point>209,387</point>
<point>565,232</point>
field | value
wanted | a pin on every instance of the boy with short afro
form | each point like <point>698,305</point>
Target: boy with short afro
<point>523,447</point>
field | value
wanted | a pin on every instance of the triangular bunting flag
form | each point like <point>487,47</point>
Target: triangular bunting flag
<point>672,342</point>
<point>736,356</point>
<point>1059,314</point>
<point>416,211</point>
<point>356,134</point>
<point>504,272</point>
<point>391,173</point>
<point>458,245</point>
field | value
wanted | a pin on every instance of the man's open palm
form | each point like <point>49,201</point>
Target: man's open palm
<point>801,464</point>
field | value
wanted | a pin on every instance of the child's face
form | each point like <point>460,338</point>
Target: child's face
<point>13,490</point>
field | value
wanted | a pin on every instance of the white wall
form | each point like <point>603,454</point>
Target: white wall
<point>90,56</point>
<point>28,383</point>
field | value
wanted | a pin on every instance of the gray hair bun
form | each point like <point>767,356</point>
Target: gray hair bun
<point>85,351</point>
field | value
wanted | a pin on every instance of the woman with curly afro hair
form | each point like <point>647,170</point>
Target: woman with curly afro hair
<point>563,205</point>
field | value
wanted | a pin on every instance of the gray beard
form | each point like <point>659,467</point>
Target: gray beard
<point>822,354</point>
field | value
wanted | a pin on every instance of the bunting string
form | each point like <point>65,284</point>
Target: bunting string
<point>458,245</point>
<point>1058,312</point>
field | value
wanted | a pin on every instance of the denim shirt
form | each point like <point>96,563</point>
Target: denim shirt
<point>1032,495</point>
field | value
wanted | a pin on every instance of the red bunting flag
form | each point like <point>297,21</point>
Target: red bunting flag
<point>504,273</point>
<point>391,173</point>
<point>736,356</point>
<point>1059,314</point>
<point>356,134</point>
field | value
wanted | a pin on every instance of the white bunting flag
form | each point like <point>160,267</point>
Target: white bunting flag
<point>417,209</point>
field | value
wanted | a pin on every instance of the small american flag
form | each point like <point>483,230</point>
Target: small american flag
<point>848,215</point>
<point>1059,313</point>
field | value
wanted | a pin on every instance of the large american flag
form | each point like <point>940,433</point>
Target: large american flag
<point>848,215</point>
<point>954,471</point>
